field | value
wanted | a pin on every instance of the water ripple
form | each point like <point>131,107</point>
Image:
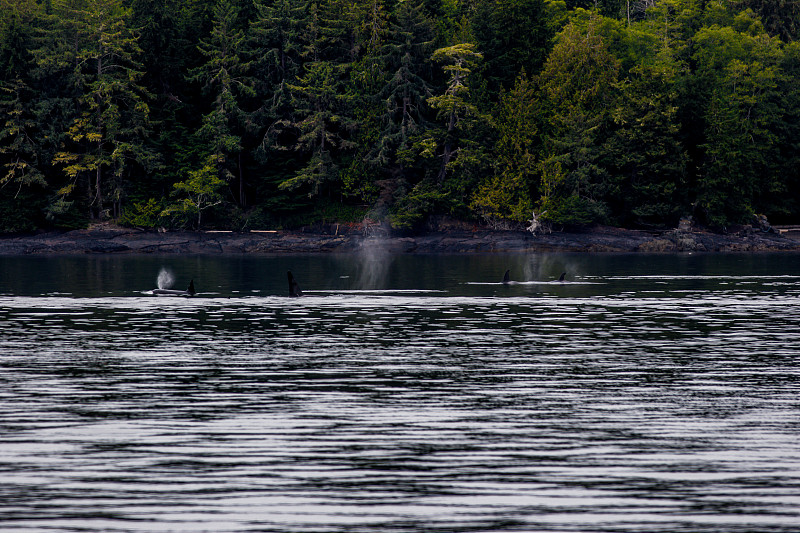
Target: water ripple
<point>616,408</point>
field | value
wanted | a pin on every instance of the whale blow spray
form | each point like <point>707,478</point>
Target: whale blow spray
<point>165,279</point>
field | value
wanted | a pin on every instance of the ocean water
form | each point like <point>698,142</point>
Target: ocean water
<point>645,393</point>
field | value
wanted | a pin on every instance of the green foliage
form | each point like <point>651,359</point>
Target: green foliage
<point>498,200</point>
<point>514,36</point>
<point>65,214</point>
<point>201,191</point>
<point>325,211</point>
<point>20,210</point>
<point>781,18</point>
<point>579,72</point>
<point>578,89</point>
<point>560,205</point>
<point>643,151</point>
<point>111,118</point>
<point>786,204</point>
<point>506,195</point>
<point>16,35</point>
<point>414,207</point>
<point>402,94</point>
<point>568,211</point>
<point>453,106</point>
<point>244,113</point>
<point>224,77</point>
<point>742,118</point>
<point>321,125</point>
<point>22,167</point>
<point>149,214</point>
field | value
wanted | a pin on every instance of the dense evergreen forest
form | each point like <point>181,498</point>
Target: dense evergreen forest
<point>258,114</point>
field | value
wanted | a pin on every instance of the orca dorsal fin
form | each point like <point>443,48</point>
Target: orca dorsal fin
<point>506,276</point>
<point>563,275</point>
<point>294,287</point>
<point>190,291</point>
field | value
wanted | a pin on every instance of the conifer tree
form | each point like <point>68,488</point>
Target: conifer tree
<point>644,151</point>
<point>320,101</point>
<point>398,104</point>
<point>224,76</point>
<point>107,134</point>
<point>370,31</point>
<point>274,45</point>
<point>317,102</point>
<point>513,35</point>
<point>781,18</point>
<point>19,147</point>
<point>507,194</point>
<point>454,104</point>
<point>407,88</point>
<point>454,147</point>
<point>786,205</point>
<point>739,169</point>
<point>577,83</point>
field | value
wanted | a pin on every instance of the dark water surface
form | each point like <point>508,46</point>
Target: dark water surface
<point>401,394</point>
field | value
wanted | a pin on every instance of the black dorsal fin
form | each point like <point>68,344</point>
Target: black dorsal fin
<point>506,276</point>
<point>294,287</point>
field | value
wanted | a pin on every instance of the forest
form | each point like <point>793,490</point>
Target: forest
<point>270,114</point>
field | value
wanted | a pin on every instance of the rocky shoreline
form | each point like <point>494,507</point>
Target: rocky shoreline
<point>118,240</point>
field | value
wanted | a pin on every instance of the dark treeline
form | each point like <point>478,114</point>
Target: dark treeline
<point>272,113</point>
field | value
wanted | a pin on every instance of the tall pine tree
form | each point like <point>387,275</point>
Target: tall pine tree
<point>225,79</point>
<point>107,135</point>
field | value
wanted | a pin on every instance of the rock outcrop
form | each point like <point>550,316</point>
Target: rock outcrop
<point>116,240</point>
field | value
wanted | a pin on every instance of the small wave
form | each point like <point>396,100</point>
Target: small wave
<point>551,282</point>
<point>374,291</point>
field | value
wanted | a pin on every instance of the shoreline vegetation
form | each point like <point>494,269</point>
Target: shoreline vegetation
<point>242,114</point>
<point>333,238</point>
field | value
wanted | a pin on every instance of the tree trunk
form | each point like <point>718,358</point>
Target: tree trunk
<point>241,182</point>
<point>99,191</point>
<point>90,197</point>
<point>447,153</point>
<point>99,175</point>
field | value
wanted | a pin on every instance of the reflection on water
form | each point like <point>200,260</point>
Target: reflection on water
<point>645,394</point>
